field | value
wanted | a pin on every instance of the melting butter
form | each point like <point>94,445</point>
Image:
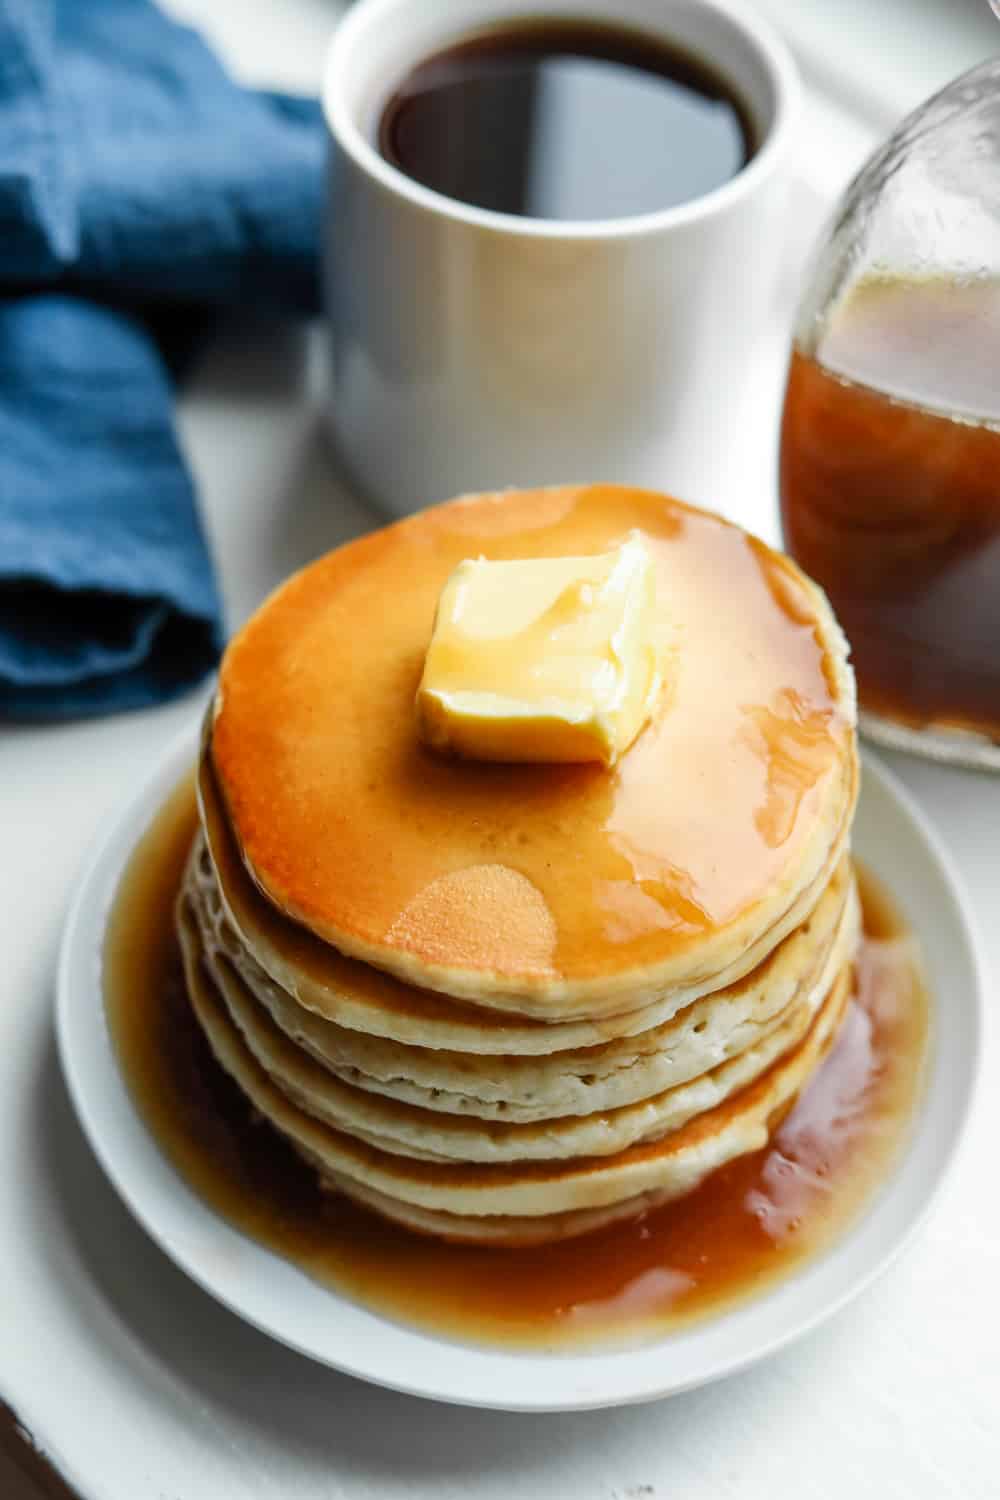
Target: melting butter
<point>549,659</point>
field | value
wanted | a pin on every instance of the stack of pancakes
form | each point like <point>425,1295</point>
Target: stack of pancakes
<point>510,1003</point>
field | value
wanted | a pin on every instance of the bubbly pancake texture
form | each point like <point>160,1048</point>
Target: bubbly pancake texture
<point>512,1087</point>
<point>415,1131</point>
<point>499,1196</point>
<point>556,892</point>
<point>367,1001</point>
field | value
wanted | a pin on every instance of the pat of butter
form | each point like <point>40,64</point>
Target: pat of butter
<point>550,659</point>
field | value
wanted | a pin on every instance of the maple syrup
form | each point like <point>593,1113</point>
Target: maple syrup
<point>890,457</point>
<point>509,882</point>
<point>749,1224</point>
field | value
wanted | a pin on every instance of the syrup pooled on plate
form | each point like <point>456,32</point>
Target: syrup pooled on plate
<point>746,1226</point>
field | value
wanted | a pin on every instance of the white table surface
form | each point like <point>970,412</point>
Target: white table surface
<point>135,1383</point>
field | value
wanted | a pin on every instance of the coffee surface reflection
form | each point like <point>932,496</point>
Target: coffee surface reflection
<point>566,120</point>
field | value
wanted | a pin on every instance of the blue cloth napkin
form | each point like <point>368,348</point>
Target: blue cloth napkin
<point>142,193</point>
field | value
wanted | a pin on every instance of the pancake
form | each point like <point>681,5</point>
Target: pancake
<point>559,893</point>
<point>364,1000</point>
<point>413,1131</point>
<point>495,1231</point>
<point>667,1167</point>
<point>512,1088</point>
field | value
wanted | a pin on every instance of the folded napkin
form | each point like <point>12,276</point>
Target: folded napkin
<point>141,193</point>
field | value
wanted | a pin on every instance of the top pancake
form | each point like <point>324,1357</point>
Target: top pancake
<point>539,888</point>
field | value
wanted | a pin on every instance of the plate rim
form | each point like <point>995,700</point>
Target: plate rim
<point>474,1375</point>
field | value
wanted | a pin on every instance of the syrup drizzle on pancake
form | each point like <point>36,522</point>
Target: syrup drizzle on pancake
<point>466,877</point>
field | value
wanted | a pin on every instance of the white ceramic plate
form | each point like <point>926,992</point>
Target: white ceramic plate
<point>895,841</point>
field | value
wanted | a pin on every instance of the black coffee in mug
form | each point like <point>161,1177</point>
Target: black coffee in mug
<point>561,119</point>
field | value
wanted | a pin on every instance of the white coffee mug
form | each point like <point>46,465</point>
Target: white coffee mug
<point>474,350</point>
